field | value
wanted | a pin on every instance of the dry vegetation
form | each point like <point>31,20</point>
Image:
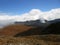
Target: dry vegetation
<point>31,40</point>
<point>12,30</point>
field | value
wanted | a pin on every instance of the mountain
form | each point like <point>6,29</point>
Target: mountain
<point>38,22</point>
<point>35,23</point>
<point>21,27</point>
<point>52,28</point>
<point>31,28</point>
<point>54,21</point>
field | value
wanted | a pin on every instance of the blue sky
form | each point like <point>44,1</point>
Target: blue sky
<point>14,7</point>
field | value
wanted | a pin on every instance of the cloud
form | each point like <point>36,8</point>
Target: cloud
<point>33,14</point>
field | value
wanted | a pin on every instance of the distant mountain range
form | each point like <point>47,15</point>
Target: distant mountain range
<point>38,22</point>
<point>54,21</point>
<point>32,23</point>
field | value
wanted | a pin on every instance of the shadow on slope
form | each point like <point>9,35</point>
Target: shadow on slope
<point>32,31</point>
<point>53,28</point>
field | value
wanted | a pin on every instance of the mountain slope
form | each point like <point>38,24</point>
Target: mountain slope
<point>31,28</point>
<point>12,30</point>
<point>53,28</point>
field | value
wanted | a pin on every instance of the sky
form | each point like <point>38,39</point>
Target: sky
<point>14,7</point>
<point>26,10</point>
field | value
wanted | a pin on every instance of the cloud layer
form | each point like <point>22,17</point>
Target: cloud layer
<point>33,14</point>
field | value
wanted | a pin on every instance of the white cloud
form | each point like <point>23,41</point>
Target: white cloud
<point>33,14</point>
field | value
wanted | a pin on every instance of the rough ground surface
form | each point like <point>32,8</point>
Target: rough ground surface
<point>31,40</point>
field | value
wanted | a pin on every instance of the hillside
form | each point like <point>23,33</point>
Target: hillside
<point>53,28</point>
<point>18,30</point>
<point>12,30</point>
<point>31,31</point>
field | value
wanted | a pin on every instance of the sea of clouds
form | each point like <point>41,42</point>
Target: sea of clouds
<point>33,14</point>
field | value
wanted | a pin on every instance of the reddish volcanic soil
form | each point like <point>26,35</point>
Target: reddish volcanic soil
<point>12,30</point>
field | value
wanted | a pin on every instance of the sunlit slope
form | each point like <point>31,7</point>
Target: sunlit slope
<point>13,29</point>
